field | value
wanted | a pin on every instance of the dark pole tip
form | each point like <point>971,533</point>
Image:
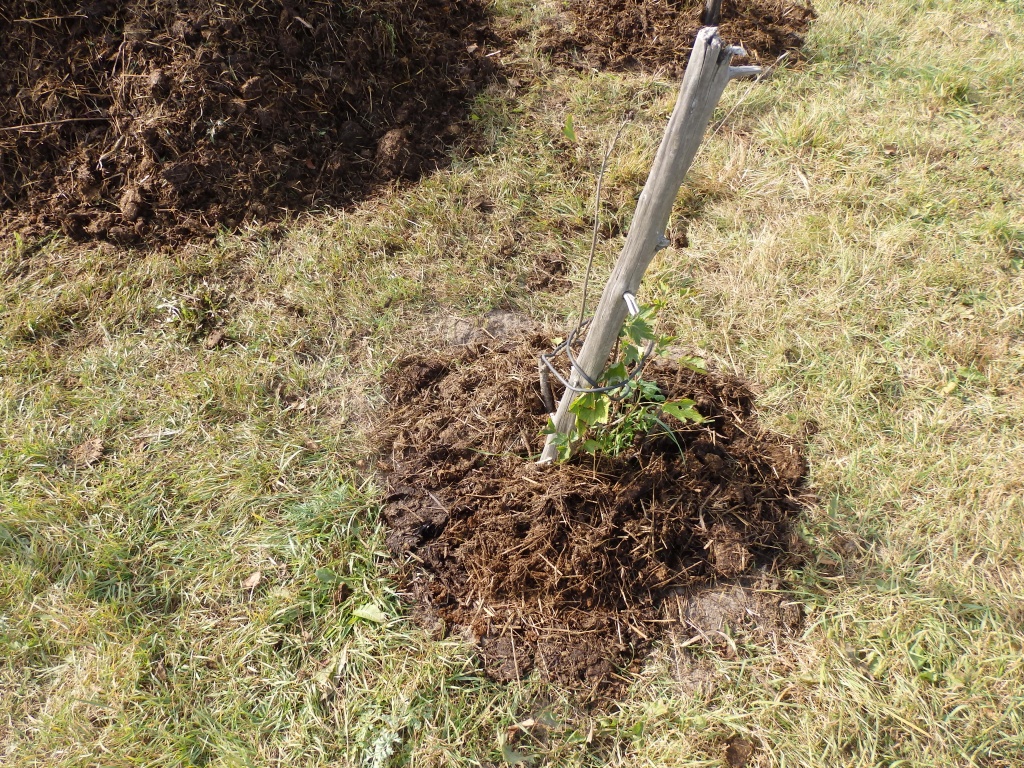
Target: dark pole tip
<point>712,14</point>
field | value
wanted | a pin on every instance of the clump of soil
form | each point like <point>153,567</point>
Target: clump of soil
<point>659,34</point>
<point>151,120</point>
<point>572,569</point>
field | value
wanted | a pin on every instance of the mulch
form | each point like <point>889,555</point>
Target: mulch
<point>658,34</point>
<point>148,123</point>
<point>572,569</point>
<point>153,122</point>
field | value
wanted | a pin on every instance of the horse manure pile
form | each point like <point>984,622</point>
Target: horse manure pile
<point>573,569</point>
<point>157,121</point>
<point>652,34</point>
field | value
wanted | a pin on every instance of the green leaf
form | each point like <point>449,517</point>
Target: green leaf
<point>370,612</point>
<point>591,409</point>
<point>626,390</point>
<point>327,576</point>
<point>650,391</point>
<point>698,364</point>
<point>564,451</point>
<point>638,330</point>
<point>971,374</point>
<point>631,354</point>
<point>591,446</point>
<point>512,757</point>
<point>918,659</point>
<point>683,410</point>
<point>615,374</point>
<point>569,130</point>
<point>660,709</point>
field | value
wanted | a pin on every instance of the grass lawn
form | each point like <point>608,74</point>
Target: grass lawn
<point>207,584</point>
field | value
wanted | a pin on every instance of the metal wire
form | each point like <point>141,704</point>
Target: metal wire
<point>546,366</point>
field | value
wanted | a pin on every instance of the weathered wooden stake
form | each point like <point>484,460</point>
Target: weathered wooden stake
<point>707,74</point>
<point>712,13</point>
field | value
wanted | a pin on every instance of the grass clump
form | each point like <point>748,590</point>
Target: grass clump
<point>855,234</point>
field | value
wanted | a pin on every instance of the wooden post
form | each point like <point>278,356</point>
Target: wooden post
<point>707,74</point>
<point>712,13</point>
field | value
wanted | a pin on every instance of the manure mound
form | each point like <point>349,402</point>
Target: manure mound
<point>161,120</point>
<point>572,569</point>
<point>653,34</point>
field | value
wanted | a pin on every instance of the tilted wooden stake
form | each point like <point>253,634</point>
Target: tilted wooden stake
<point>707,74</point>
<point>712,13</point>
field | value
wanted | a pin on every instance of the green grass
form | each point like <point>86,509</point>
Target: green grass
<point>857,250</point>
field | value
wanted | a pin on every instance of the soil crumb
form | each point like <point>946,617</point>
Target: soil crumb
<point>658,34</point>
<point>150,121</point>
<point>574,569</point>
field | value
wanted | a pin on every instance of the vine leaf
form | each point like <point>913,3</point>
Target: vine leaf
<point>591,409</point>
<point>683,410</point>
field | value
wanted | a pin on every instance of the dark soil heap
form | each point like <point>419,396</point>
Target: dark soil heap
<point>568,568</point>
<point>160,119</point>
<point>659,34</point>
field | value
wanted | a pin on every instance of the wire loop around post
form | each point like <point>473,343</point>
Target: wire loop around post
<point>631,305</point>
<point>546,364</point>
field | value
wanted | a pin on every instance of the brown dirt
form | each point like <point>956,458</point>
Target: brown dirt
<point>659,34</point>
<point>151,121</point>
<point>575,569</point>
